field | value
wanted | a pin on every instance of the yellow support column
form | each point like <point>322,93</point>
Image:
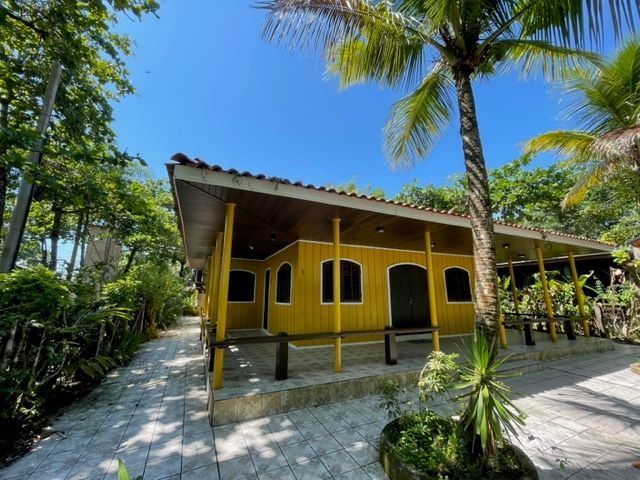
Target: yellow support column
<point>223,294</point>
<point>545,291</point>
<point>433,309</point>
<point>337,277</point>
<point>579,294</point>
<point>502,332</point>
<point>215,280</point>
<point>207,297</point>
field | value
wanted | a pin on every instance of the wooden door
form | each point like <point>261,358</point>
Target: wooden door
<point>409,296</point>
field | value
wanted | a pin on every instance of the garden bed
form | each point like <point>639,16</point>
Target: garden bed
<point>425,446</point>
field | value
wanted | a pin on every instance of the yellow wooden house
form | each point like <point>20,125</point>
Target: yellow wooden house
<point>268,246</point>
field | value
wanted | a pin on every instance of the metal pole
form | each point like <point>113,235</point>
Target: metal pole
<point>20,212</point>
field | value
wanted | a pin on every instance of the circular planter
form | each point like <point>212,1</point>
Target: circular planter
<point>396,468</point>
<point>635,368</point>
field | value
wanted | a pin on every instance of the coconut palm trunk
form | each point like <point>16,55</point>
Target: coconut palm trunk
<point>480,212</point>
<point>436,49</point>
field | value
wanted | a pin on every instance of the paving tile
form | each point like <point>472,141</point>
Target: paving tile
<point>584,414</point>
<point>324,444</point>
<point>363,453</point>
<point>348,437</point>
<point>375,471</point>
<point>357,474</point>
<point>266,460</point>
<point>237,468</point>
<point>312,469</point>
<point>193,459</point>
<point>230,451</point>
<point>280,473</point>
<point>298,452</point>
<point>338,462</point>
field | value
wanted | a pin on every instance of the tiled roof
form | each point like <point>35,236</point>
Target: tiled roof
<point>182,159</point>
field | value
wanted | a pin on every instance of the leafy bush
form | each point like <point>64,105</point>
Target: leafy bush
<point>153,292</point>
<point>54,336</point>
<point>436,447</point>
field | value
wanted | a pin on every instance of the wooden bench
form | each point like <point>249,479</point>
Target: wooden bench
<point>282,340</point>
<point>527,319</point>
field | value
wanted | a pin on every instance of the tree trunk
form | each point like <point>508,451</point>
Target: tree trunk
<point>55,237</point>
<point>43,246</point>
<point>76,243</point>
<point>8,349</point>
<point>480,212</point>
<point>4,169</point>
<point>129,264</point>
<point>83,241</point>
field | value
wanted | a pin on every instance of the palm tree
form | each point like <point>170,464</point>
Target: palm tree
<point>604,106</point>
<point>437,48</point>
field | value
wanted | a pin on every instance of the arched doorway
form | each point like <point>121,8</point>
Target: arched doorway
<point>408,296</point>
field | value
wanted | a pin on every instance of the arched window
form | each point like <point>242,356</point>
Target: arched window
<point>242,286</point>
<point>458,285</point>
<point>283,284</point>
<point>350,282</point>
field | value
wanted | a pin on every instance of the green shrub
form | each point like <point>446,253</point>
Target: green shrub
<point>154,293</point>
<point>435,446</point>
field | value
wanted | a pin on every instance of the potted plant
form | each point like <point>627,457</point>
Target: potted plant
<point>420,444</point>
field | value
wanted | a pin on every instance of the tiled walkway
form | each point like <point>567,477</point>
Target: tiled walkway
<point>584,422</point>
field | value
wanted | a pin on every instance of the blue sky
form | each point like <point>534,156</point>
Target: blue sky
<point>210,87</point>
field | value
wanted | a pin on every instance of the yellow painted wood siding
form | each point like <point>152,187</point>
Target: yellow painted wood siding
<point>282,318</point>
<point>247,315</point>
<point>307,313</point>
<point>373,312</point>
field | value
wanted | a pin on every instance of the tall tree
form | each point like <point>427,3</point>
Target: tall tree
<point>439,47</point>
<point>604,106</point>
<point>79,36</point>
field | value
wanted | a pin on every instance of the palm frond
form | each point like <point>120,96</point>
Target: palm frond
<point>622,146</point>
<point>591,104</point>
<point>564,143</point>
<point>322,24</point>
<point>417,120</point>
<point>530,57</point>
<point>596,174</point>
<point>576,22</point>
<point>379,58</point>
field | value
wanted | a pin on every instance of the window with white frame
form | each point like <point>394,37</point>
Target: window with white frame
<point>350,282</point>
<point>458,284</point>
<point>283,284</point>
<point>242,286</point>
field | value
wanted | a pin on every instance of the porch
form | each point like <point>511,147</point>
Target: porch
<point>251,390</point>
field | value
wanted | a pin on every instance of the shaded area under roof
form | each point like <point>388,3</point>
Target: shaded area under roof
<point>272,213</point>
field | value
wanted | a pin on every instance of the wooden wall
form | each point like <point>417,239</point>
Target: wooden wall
<point>307,313</point>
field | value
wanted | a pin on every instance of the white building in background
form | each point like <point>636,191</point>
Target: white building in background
<point>103,250</point>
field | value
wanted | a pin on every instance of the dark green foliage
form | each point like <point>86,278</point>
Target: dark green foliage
<point>155,294</point>
<point>532,196</point>
<point>473,447</point>
<point>55,338</point>
<point>435,446</point>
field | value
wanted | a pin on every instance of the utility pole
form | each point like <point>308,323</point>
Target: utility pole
<point>21,209</point>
